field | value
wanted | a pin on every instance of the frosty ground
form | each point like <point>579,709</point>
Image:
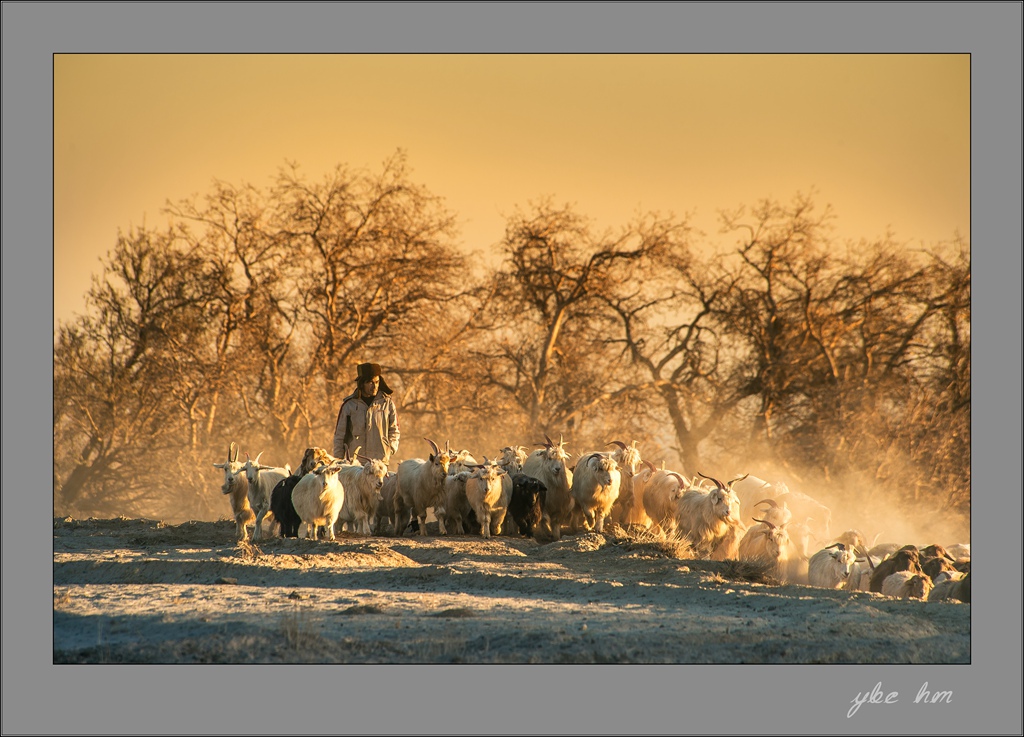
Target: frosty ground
<point>141,591</point>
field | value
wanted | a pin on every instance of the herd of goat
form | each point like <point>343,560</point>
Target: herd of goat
<point>543,495</point>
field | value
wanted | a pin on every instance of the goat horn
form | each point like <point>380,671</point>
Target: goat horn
<point>769,501</point>
<point>257,461</point>
<point>682,481</point>
<point>550,441</point>
<point>650,466</point>
<point>437,451</point>
<point>841,546</point>
<point>867,557</point>
<point>618,443</point>
<point>738,478</point>
<point>763,521</point>
<point>716,482</point>
<point>363,458</point>
<point>231,447</point>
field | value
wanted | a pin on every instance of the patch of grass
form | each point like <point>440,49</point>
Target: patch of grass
<point>756,571</point>
<point>608,657</point>
<point>634,529</point>
<point>248,550</point>
<point>653,543</point>
<point>456,613</point>
<point>296,630</point>
<point>443,648</point>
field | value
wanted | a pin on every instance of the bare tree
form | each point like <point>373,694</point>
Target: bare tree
<point>370,256</point>
<point>245,320</point>
<point>669,332</point>
<point>548,317</point>
<point>253,315</point>
<point>121,406</point>
<point>843,344</point>
<point>313,278</point>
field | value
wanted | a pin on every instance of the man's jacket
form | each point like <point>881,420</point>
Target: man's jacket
<point>372,428</point>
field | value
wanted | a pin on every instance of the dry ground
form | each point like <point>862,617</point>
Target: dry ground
<point>140,591</point>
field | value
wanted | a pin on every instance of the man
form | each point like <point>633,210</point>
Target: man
<point>367,419</point>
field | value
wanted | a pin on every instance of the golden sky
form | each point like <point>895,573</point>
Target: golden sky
<point>884,139</point>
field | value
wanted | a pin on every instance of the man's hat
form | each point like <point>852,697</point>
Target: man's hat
<point>367,371</point>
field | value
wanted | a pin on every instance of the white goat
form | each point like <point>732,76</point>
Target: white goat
<point>799,552</point>
<point>657,494</point>
<point>456,504</point>
<point>421,484</point>
<point>767,543</point>
<point>237,485</point>
<point>550,466</point>
<point>728,548</point>
<point>830,567</point>
<point>362,485</point>
<point>709,520</point>
<point>629,462</point>
<point>488,496</point>
<point>860,572</point>
<point>318,498</point>
<point>751,488</point>
<point>457,463</point>
<point>960,551</point>
<point>634,514</point>
<point>512,459</point>
<point>262,480</point>
<point>907,585</point>
<point>595,487</point>
<point>777,514</point>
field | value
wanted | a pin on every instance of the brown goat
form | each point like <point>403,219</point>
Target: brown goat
<point>312,458</point>
<point>906,558</point>
<point>932,567</point>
